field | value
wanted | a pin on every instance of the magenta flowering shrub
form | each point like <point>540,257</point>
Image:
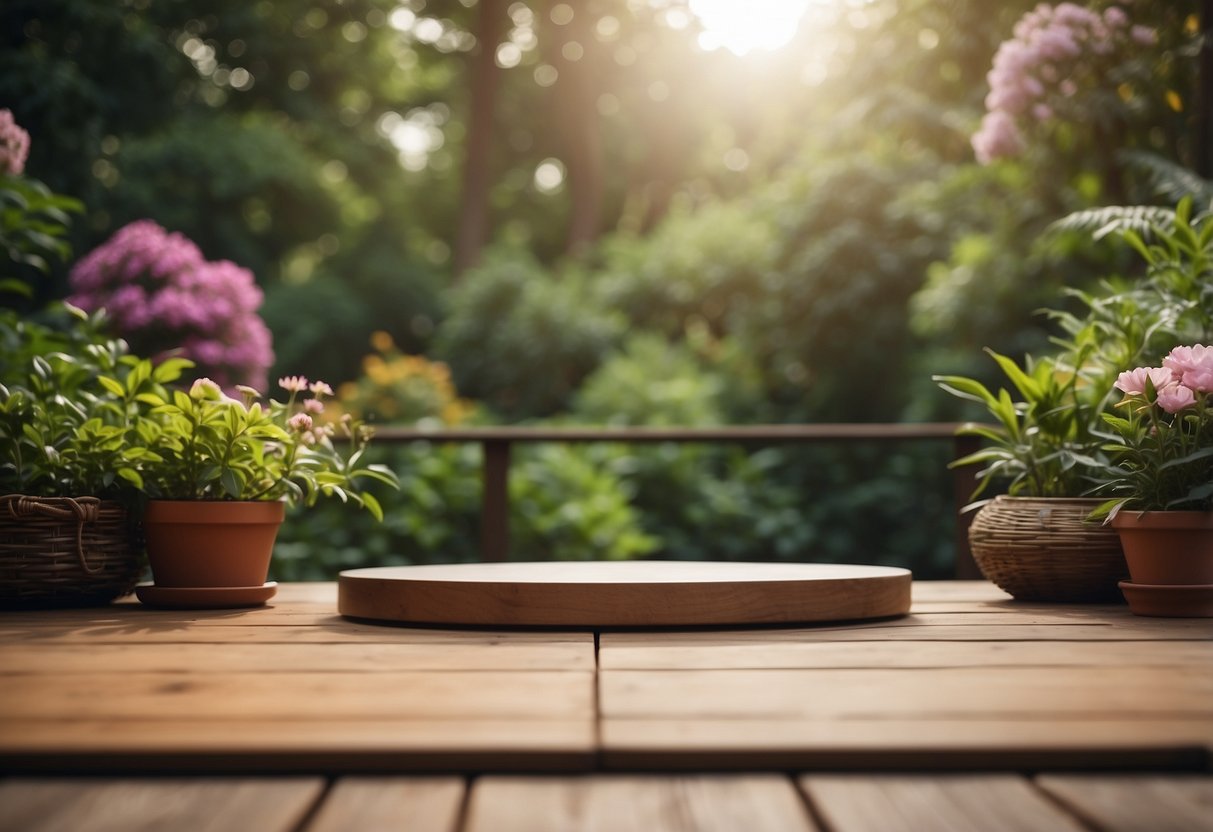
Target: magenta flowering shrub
<point>14,145</point>
<point>163,295</point>
<point>1040,74</point>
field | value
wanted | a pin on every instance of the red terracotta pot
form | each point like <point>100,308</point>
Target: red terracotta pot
<point>200,543</point>
<point>1167,548</point>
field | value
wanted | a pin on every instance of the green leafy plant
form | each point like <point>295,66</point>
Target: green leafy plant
<point>1162,449</point>
<point>1043,445</point>
<point>210,446</point>
<point>71,419</point>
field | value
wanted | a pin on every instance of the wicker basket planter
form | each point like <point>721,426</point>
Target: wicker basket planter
<point>65,551</point>
<point>1043,549</point>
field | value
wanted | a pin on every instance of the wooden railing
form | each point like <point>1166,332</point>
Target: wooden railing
<point>498,441</point>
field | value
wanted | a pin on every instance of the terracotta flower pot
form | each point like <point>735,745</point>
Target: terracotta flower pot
<point>1167,548</point>
<point>1170,555</point>
<point>203,544</point>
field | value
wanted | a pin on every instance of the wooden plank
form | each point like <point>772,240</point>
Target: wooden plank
<point>653,651</point>
<point>1133,803</point>
<point>624,593</point>
<point>1023,693</point>
<point>940,803</point>
<point>913,628</point>
<point>756,803</point>
<point>31,805</point>
<point>333,631</point>
<point>284,745</point>
<point>387,804</point>
<point>920,744</point>
<point>958,591</point>
<point>351,657</point>
<point>241,697</point>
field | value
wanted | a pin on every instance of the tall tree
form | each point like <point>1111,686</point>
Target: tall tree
<point>473,226</point>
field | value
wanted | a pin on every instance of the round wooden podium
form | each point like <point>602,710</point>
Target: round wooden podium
<point>623,593</point>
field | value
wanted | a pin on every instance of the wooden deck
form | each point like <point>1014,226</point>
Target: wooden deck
<point>975,712</point>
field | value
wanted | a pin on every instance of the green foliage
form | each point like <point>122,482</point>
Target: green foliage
<point>700,382</point>
<point>522,338</point>
<point>33,226</point>
<point>433,518</point>
<point>210,446</point>
<point>71,422</point>
<point>1042,444</point>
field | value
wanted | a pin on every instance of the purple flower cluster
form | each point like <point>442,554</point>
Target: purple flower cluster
<point>1042,67</point>
<point>14,145</point>
<point>161,295</point>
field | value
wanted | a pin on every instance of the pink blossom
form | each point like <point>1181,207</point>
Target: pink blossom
<point>319,388</point>
<point>997,138</point>
<point>1133,382</point>
<point>300,422</point>
<point>163,296</point>
<point>293,384</point>
<point>14,145</point>
<point>1175,397</point>
<point>314,406</point>
<point>1193,366</point>
<point>1143,35</point>
<point>1035,70</point>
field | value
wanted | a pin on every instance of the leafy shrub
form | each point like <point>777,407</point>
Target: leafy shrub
<point>523,338</point>
<point>399,388</point>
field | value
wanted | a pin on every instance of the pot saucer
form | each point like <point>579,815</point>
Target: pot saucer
<point>205,598</point>
<point>1169,601</point>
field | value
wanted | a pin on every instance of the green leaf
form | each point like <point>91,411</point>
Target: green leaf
<point>372,506</point>
<point>112,386</point>
<point>132,476</point>
<point>1028,387</point>
<point>230,482</point>
<point>170,370</point>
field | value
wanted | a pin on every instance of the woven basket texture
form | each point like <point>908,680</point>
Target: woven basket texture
<point>65,551</point>
<point>1043,549</point>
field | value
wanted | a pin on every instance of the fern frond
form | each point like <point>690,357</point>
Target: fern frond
<point>1170,180</point>
<point>1112,218</point>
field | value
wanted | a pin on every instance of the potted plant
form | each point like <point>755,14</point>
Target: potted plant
<point>70,458</point>
<point>1161,479</point>
<point>1035,542</point>
<point>219,474</point>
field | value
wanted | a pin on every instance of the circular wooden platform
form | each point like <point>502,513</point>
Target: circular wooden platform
<point>623,594</point>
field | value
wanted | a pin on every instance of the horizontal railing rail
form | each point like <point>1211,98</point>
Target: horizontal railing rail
<point>497,443</point>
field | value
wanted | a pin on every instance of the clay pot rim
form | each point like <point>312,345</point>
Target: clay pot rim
<point>210,511</point>
<point>1159,519</point>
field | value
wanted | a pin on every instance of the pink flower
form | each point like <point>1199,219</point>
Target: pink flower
<point>293,384</point>
<point>1034,71</point>
<point>300,423</point>
<point>1143,35</point>
<point>1175,397</point>
<point>14,145</point>
<point>163,296</point>
<point>313,406</point>
<point>1193,366</point>
<point>1133,382</point>
<point>319,388</point>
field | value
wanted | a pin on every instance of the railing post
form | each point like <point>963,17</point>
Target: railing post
<point>964,482</point>
<point>495,514</point>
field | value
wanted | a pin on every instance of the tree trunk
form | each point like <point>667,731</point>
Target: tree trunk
<point>577,111</point>
<point>473,230</point>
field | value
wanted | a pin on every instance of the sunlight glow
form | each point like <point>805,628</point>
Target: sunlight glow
<point>742,27</point>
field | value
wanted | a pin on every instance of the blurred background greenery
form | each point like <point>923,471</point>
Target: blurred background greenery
<point>608,212</point>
